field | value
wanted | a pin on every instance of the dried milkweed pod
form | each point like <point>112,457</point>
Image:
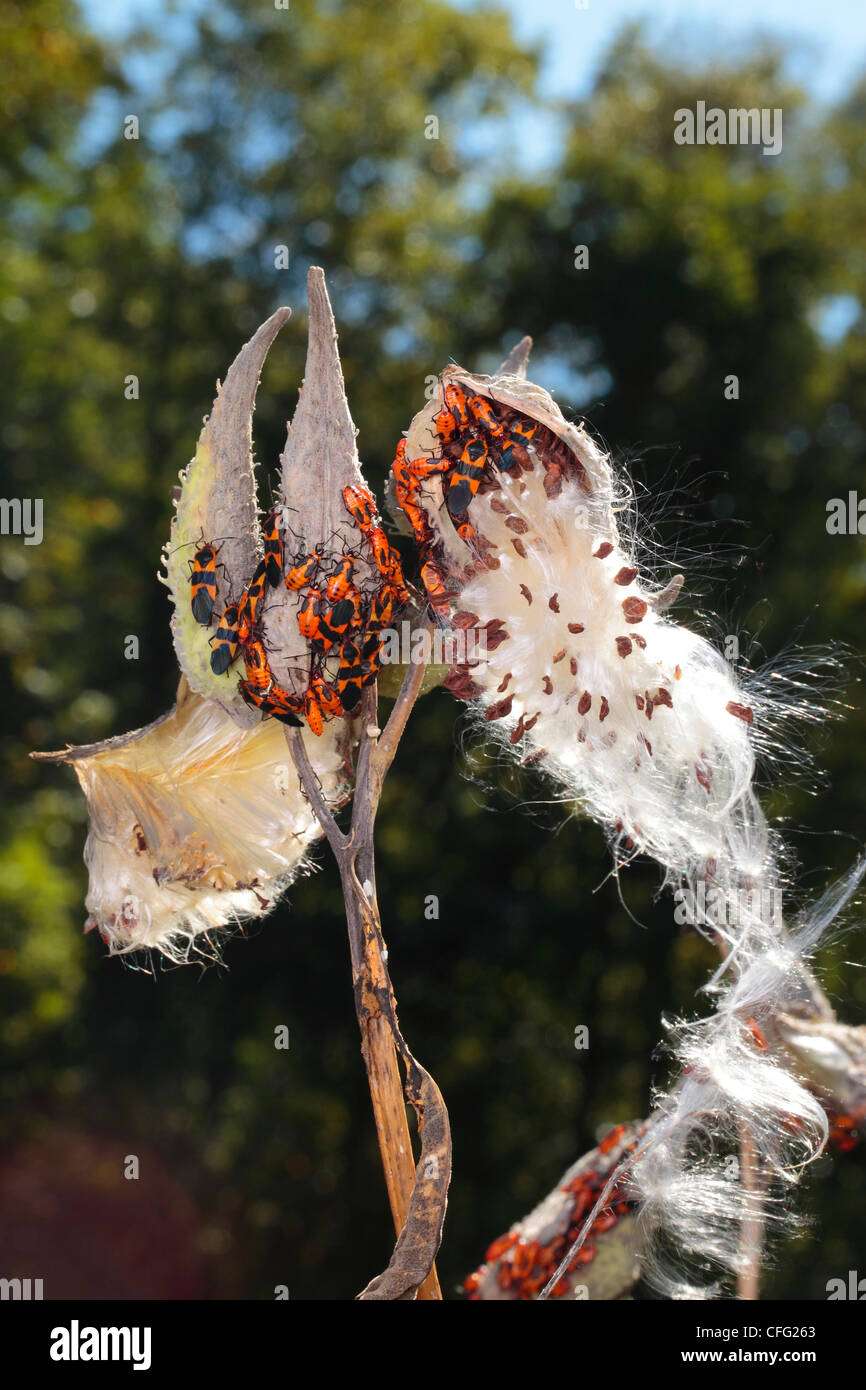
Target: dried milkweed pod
<point>195,823</point>
<point>199,820</point>
<point>520,1263</point>
<point>320,469</point>
<point>637,720</point>
<point>216,505</point>
<point>205,816</point>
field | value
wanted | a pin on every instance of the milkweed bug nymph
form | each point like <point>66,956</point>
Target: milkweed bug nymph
<point>457,403</point>
<point>248,608</point>
<point>359,503</point>
<point>310,621</point>
<point>445,426</point>
<point>485,416</point>
<point>304,570</point>
<point>320,699</point>
<point>406,486</point>
<point>277,702</point>
<point>258,668</point>
<point>382,608</point>
<point>437,590</point>
<point>340,582</point>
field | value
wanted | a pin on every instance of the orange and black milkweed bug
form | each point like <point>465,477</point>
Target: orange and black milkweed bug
<point>273,548</point>
<point>203,584</point>
<point>225,641</point>
<point>465,479</point>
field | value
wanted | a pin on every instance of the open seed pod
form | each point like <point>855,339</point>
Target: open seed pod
<point>519,1264</point>
<point>216,506</point>
<point>580,671</point>
<point>558,452</point>
<point>195,823</point>
<point>198,820</point>
<point>331,541</point>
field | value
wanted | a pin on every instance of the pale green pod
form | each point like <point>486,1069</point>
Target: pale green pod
<point>217,503</point>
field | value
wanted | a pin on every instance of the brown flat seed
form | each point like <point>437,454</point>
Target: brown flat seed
<point>559,656</point>
<point>605,709</point>
<point>603,550</point>
<point>462,687</point>
<point>625,575</point>
<point>519,547</point>
<point>703,776</point>
<point>464,619</point>
<point>548,685</point>
<point>517,524</point>
<point>493,563</point>
<point>743,712</point>
<point>502,684</point>
<point>495,639</point>
<point>497,505</point>
<point>623,646</point>
<point>639,701</point>
<point>518,731</point>
<point>526,592</point>
<point>500,709</point>
<point>634,609</point>
<point>645,741</point>
<point>639,641</point>
<point>649,705</point>
<point>573,664</point>
<point>494,623</point>
<point>575,627</point>
<point>663,697</point>
<point>553,603</point>
<point>584,702</point>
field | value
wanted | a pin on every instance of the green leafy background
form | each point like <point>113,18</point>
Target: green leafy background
<point>155,257</point>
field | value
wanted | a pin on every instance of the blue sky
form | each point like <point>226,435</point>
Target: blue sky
<point>829,38</point>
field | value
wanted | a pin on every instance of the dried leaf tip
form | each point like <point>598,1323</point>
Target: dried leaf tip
<point>517,361</point>
<point>321,456</point>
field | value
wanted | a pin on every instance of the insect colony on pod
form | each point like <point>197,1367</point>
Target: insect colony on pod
<point>338,620</point>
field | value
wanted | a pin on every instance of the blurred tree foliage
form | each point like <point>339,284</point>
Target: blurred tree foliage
<point>154,257</point>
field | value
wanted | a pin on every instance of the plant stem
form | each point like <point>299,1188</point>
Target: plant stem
<point>417,1212</point>
<point>752,1229</point>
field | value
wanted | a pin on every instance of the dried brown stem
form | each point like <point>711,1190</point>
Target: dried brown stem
<point>417,1195</point>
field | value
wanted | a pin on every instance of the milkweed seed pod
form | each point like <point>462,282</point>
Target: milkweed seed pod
<point>282,620</point>
<point>343,582</point>
<point>199,821</point>
<point>216,506</point>
<point>520,1263</point>
<point>195,824</point>
<point>641,723</point>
